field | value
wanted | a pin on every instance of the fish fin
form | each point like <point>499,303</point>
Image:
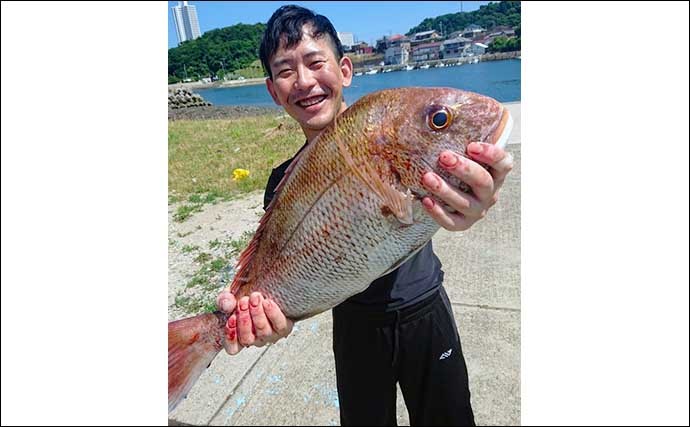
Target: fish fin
<point>399,203</point>
<point>190,351</point>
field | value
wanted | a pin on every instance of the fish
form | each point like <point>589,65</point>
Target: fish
<point>347,211</point>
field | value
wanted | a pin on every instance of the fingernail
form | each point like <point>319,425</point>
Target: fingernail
<point>432,181</point>
<point>226,305</point>
<point>243,304</point>
<point>428,203</point>
<point>449,159</point>
<point>254,300</point>
<point>475,148</point>
<point>232,322</point>
<point>267,304</point>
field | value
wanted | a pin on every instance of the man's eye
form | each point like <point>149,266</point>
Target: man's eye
<point>284,73</point>
<point>317,63</point>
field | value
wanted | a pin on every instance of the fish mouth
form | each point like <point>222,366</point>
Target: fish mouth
<point>499,137</point>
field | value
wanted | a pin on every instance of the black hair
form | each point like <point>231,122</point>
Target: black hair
<point>287,22</point>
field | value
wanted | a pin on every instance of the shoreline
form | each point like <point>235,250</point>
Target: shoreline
<point>218,84</point>
<point>499,56</point>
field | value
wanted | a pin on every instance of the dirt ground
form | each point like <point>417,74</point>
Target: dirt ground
<point>208,232</point>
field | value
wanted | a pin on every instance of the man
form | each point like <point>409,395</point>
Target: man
<point>401,328</point>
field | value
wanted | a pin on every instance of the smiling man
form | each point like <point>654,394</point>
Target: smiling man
<point>395,330</point>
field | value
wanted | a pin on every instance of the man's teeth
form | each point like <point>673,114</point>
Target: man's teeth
<point>311,101</point>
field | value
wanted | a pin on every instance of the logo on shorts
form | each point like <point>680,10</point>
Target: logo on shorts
<point>446,354</point>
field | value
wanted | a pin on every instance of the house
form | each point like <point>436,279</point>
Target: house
<point>426,52</point>
<point>424,37</point>
<point>478,48</point>
<point>398,40</point>
<point>502,30</point>
<point>361,48</point>
<point>397,55</point>
<point>487,39</point>
<point>455,34</point>
<point>473,31</point>
<point>455,48</point>
<point>346,39</point>
<point>394,40</point>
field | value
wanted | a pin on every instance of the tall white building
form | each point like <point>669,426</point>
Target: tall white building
<point>186,21</point>
<point>346,39</point>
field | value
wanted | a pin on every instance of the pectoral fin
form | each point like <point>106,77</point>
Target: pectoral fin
<point>397,202</point>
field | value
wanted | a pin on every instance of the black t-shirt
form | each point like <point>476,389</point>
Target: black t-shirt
<point>413,281</point>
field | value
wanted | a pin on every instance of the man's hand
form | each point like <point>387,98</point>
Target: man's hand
<point>257,321</point>
<point>469,208</point>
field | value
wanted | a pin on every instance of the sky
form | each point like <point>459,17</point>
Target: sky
<point>368,21</point>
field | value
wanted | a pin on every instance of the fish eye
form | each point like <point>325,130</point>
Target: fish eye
<point>440,119</point>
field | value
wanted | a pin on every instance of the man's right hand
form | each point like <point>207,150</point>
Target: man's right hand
<point>256,321</point>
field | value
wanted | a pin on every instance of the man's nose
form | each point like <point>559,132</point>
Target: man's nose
<point>305,78</point>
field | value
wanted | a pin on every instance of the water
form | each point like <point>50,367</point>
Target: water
<point>497,79</point>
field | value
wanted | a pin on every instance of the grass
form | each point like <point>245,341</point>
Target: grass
<point>189,248</point>
<point>185,211</point>
<point>200,292</point>
<point>202,155</point>
<point>254,70</point>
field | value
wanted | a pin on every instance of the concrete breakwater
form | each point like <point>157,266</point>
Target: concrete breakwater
<point>184,98</point>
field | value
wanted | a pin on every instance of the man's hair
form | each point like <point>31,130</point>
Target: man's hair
<point>287,22</point>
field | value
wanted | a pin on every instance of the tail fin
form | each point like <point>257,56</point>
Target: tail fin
<point>192,344</point>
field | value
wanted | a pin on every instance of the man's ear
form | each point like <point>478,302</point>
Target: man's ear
<point>346,69</point>
<point>272,90</point>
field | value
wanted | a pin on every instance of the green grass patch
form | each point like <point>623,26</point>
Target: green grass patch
<point>202,155</point>
<point>202,288</point>
<point>203,257</point>
<point>189,248</point>
<point>185,211</point>
<point>254,70</point>
<point>196,304</point>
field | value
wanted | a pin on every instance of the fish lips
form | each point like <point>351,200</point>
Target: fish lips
<point>499,137</point>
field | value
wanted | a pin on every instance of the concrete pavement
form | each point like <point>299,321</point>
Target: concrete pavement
<point>293,381</point>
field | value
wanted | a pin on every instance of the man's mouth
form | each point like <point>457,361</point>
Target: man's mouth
<point>312,100</point>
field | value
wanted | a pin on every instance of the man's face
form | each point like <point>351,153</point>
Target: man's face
<point>308,82</point>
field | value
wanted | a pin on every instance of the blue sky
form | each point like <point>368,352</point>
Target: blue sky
<point>368,21</point>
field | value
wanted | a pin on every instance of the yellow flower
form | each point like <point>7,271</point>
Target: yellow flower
<point>239,174</point>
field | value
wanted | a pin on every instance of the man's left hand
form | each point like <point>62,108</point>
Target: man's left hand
<point>485,184</point>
